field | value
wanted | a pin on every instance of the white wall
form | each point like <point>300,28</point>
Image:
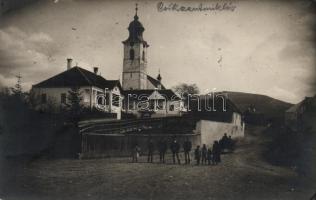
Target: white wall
<point>178,108</point>
<point>88,100</point>
<point>54,96</point>
<point>211,130</point>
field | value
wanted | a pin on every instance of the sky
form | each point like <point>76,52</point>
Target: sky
<point>263,47</point>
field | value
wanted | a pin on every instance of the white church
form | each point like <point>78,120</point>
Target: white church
<point>110,95</point>
<point>138,85</point>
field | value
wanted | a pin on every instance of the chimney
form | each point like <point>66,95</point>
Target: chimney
<point>95,69</point>
<point>69,63</point>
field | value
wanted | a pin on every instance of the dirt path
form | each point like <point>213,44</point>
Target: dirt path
<point>241,175</point>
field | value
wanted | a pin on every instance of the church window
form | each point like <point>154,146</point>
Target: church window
<point>131,75</point>
<point>131,54</point>
<point>143,56</point>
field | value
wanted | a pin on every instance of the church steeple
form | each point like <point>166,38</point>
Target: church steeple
<point>136,30</point>
<point>135,56</point>
<point>136,9</point>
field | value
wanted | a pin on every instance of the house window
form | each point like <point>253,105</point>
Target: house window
<point>131,105</point>
<point>152,104</point>
<point>171,107</point>
<point>63,98</point>
<point>116,100</point>
<point>44,98</point>
<point>131,54</point>
<point>160,104</point>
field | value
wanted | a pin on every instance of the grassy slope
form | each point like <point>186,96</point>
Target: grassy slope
<point>264,104</point>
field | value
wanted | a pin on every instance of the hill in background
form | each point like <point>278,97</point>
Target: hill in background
<point>268,106</point>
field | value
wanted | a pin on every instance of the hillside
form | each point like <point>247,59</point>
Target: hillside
<point>269,106</point>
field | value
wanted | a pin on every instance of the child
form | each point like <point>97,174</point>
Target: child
<point>136,153</point>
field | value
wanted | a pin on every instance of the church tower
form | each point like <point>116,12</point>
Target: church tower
<point>135,57</point>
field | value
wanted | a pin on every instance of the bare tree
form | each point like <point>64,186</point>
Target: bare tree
<point>184,88</point>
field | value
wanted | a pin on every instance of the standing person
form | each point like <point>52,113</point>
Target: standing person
<point>224,141</point>
<point>162,148</point>
<point>209,156</point>
<point>216,153</point>
<point>204,154</point>
<point>187,147</point>
<point>136,153</point>
<point>197,155</point>
<point>150,151</point>
<point>175,147</point>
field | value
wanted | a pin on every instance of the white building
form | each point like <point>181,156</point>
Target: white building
<point>138,85</point>
<point>152,103</point>
<point>215,117</point>
<point>96,91</point>
<point>134,76</point>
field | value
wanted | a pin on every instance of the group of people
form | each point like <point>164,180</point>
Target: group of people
<point>204,155</point>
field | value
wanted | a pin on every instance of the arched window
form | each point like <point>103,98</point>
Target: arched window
<point>131,54</point>
<point>143,56</point>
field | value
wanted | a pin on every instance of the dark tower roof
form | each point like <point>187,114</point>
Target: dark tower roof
<point>136,30</point>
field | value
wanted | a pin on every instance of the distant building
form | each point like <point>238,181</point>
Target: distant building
<point>295,115</point>
<point>96,91</point>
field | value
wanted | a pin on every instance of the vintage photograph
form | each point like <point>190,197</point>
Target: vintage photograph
<point>157,99</point>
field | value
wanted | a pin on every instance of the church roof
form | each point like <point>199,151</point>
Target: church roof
<point>77,76</point>
<point>169,94</point>
<point>155,82</point>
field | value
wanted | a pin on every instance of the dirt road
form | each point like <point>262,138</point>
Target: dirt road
<point>241,175</point>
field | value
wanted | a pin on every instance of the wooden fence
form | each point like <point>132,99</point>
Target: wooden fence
<point>117,138</point>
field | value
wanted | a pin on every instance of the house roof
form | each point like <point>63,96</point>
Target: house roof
<point>210,109</point>
<point>206,102</point>
<point>295,107</point>
<point>77,76</point>
<point>155,82</point>
<point>169,94</point>
<point>304,102</point>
